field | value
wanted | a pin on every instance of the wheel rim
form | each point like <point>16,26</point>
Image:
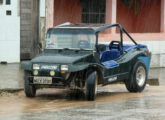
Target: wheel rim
<point>140,76</point>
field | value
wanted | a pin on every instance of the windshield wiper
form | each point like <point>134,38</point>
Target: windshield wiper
<point>66,48</point>
<point>74,49</point>
<point>82,49</point>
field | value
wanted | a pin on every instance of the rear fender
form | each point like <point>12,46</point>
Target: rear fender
<point>146,60</point>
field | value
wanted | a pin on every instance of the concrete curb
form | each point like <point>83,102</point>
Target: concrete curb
<point>11,89</point>
<point>153,81</point>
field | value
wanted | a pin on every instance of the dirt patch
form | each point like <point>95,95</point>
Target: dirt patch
<point>8,93</point>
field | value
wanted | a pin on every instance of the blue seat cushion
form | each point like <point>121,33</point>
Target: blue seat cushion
<point>110,64</point>
<point>110,55</point>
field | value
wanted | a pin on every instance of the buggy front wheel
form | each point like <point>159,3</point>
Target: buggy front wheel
<point>30,90</point>
<point>91,86</point>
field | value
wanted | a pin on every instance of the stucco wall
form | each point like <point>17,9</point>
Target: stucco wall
<point>49,13</point>
<point>67,11</point>
<point>147,19</point>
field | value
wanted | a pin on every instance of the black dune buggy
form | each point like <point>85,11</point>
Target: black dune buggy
<point>73,58</point>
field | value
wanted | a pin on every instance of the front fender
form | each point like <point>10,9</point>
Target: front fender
<point>83,66</point>
<point>26,65</point>
<point>78,67</point>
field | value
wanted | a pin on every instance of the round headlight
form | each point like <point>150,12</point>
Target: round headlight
<point>35,72</point>
<point>52,73</point>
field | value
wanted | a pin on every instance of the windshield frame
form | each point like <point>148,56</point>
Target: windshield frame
<point>85,31</point>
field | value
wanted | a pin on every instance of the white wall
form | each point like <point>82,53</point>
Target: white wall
<point>42,8</point>
<point>10,32</point>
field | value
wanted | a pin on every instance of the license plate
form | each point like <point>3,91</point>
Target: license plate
<point>42,80</point>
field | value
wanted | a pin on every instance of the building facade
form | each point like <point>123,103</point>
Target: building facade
<point>29,33</point>
<point>145,21</point>
<point>32,14</point>
<point>22,26</point>
<point>9,31</point>
<point>23,23</point>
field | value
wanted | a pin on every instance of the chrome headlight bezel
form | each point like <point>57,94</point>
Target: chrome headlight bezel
<point>36,66</point>
<point>64,68</point>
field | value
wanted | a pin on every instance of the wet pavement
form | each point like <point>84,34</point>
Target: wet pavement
<point>123,110</point>
<point>113,102</point>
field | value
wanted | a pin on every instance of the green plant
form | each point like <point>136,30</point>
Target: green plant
<point>130,3</point>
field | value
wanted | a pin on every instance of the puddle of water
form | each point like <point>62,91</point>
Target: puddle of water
<point>53,99</point>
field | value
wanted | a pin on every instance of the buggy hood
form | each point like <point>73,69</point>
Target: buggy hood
<point>64,57</point>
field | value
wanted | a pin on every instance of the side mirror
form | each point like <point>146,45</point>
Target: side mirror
<point>39,46</point>
<point>101,47</point>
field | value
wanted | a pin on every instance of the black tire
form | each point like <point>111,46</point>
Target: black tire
<point>137,79</point>
<point>30,90</point>
<point>91,86</point>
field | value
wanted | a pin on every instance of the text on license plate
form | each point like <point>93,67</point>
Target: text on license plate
<point>42,80</point>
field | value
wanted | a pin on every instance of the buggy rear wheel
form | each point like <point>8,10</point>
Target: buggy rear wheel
<point>137,79</point>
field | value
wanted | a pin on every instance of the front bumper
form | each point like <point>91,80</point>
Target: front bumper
<point>57,82</point>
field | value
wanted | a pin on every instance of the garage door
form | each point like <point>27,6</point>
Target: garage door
<point>9,31</point>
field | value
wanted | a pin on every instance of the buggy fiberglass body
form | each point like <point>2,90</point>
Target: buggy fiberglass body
<point>73,58</point>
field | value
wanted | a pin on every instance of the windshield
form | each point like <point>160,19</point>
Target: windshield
<point>70,38</point>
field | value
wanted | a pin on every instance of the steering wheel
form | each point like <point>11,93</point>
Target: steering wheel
<point>83,44</point>
<point>115,45</point>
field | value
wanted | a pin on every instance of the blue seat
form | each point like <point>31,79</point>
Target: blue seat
<point>110,55</point>
<point>110,64</point>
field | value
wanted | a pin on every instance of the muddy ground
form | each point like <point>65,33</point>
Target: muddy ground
<point>113,102</point>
